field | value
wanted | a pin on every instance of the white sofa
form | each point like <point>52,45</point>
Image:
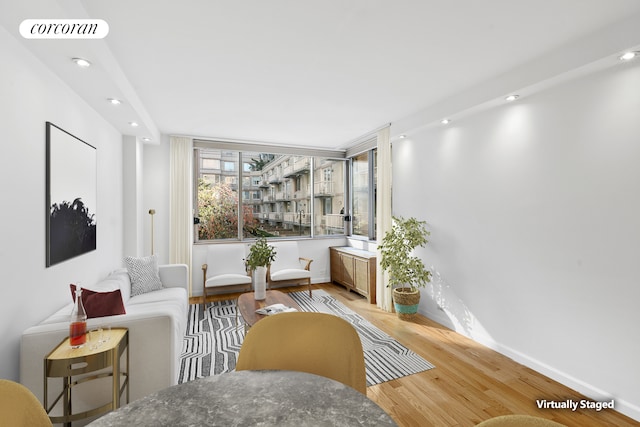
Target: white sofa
<point>156,321</point>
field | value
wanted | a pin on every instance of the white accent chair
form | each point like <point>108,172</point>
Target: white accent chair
<point>289,266</point>
<point>225,267</point>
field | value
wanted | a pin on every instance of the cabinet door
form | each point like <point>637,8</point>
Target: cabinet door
<point>337,269</point>
<point>361,278</point>
<point>349,270</point>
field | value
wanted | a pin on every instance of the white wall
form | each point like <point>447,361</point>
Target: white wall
<point>156,196</point>
<point>133,216</point>
<point>31,95</point>
<point>534,209</point>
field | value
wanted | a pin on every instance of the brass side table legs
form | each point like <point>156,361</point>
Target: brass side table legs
<point>75,367</point>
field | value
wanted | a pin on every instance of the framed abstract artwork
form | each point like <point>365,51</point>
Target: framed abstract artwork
<point>71,196</point>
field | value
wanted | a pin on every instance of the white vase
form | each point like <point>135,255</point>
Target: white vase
<point>260,283</point>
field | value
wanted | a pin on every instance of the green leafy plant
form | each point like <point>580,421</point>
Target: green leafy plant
<point>261,254</point>
<point>218,212</point>
<point>404,268</point>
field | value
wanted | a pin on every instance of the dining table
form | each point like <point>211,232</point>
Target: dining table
<point>252,398</point>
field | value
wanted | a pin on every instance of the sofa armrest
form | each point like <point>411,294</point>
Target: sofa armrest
<point>174,275</point>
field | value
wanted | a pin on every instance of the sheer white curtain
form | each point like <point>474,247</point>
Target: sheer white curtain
<point>180,202</point>
<point>383,214</point>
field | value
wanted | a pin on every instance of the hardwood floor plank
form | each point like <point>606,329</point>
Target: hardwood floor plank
<point>470,382</point>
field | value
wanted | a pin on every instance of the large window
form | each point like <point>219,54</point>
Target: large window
<point>272,195</point>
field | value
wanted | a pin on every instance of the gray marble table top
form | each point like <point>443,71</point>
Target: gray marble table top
<point>252,398</point>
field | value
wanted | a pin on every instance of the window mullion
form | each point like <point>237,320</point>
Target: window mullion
<point>372,199</point>
<point>196,211</point>
<point>240,210</point>
<point>349,199</point>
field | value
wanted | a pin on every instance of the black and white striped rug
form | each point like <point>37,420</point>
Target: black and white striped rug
<point>212,341</point>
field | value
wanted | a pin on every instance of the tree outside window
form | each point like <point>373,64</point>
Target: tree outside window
<point>218,212</point>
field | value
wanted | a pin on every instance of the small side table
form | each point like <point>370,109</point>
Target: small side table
<point>66,363</point>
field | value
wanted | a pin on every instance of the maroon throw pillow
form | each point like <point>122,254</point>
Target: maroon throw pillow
<point>100,304</point>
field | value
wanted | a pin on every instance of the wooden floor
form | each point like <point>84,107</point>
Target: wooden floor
<point>470,382</point>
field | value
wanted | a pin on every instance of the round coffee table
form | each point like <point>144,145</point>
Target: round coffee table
<point>247,305</point>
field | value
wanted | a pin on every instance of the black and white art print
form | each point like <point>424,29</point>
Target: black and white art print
<point>71,196</point>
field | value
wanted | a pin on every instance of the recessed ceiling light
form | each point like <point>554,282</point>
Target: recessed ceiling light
<point>512,97</point>
<point>114,101</point>
<point>445,121</point>
<point>80,62</point>
<point>146,139</point>
<point>628,56</point>
<point>133,124</point>
<point>402,136</point>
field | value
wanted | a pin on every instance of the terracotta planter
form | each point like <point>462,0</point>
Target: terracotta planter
<point>406,302</point>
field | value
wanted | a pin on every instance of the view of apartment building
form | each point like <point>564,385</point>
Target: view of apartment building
<point>281,191</point>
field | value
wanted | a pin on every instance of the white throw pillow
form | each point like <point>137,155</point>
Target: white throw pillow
<point>144,274</point>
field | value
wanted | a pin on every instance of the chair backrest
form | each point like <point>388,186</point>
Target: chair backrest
<point>316,343</point>
<point>226,259</point>
<point>20,407</point>
<point>287,256</point>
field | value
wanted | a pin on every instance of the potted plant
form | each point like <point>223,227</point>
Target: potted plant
<point>407,272</point>
<point>261,255</point>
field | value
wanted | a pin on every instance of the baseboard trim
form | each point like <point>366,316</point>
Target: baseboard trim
<point>590,391</point>
<point>623,406</point>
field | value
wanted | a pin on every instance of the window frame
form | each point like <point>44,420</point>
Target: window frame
<point>372,193</point>
<point>242,148</point>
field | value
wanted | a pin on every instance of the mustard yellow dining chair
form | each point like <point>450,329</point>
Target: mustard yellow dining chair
<point>519,421</point>
<point>19,407</point>
<point>316,343</point>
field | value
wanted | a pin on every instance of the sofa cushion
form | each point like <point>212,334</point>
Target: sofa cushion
<point>151,301</point>
<point>227,279</point>
<point>162,295</point>
<point>100,304</point>
<point>144,274</point>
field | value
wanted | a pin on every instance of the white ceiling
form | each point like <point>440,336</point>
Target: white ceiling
<point>316,73</point>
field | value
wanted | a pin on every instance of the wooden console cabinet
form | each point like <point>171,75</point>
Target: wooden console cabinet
<point>355,269</point>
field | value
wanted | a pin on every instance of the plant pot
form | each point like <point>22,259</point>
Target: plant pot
<point>406,302</point>
<point>260,283</point>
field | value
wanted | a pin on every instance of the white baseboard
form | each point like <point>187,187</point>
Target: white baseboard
<point>588,390</point>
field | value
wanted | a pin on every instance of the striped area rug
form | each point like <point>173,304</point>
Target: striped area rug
<point>212,341</point>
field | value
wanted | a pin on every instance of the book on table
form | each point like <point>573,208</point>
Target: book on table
<point>275,309</point>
